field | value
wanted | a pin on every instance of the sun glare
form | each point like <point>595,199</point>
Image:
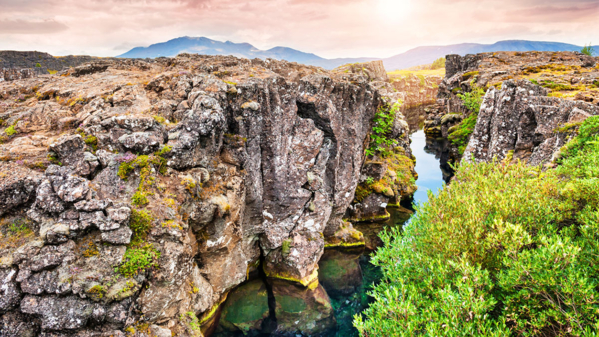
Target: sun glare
<point>393,9</point>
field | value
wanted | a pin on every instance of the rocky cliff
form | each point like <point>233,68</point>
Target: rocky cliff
<point>388,175</point>
<point>569,76</point>
<point>522,120</point>
<point>135,196</point>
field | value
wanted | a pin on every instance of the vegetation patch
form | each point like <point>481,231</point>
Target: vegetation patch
<point>380,143</point>
<point>460,134</point>
<point>140,223</point>
<point>508,250</point>
<point>138,260</point>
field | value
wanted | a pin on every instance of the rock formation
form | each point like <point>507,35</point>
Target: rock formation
<point>521,119</point>
<point>136,195</point>
<point>569,76</point>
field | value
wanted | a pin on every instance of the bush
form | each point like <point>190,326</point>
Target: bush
<point>438,63</point>
<point>507,250</point>
<point>588,50</point>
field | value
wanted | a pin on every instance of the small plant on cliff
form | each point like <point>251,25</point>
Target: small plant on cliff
<point>380,143</point>
<point>10,130</point>
<point>459,134</point>
<point>140,224</point>
<point>588,50</point>
<point>138,260</point>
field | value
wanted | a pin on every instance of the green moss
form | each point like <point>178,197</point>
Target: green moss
<point>568,127</point>
<point>97,291</point>
<point>191,320</point>
<point>344,244</point>
<point>138,260</point>
<point>140,223</point>
<point>305,281</point>
<point>10,130</point>
<point>139,199</point>
<point>285,249</point>
<point>469,75</point>
<point>291,304</point>
<point>460,134</point>
<point>159,119</point>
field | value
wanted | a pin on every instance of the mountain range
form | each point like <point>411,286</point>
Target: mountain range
<point>412,57</point>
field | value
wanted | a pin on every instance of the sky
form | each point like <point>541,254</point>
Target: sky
<point>328,28</point>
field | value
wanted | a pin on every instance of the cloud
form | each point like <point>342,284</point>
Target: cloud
<point>31,27</point>
<point>331,28</point>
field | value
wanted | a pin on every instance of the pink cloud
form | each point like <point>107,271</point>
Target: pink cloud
<point>332,28</point>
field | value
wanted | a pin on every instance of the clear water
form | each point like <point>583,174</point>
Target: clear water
<point>430,175</point>
<point>350,297</point>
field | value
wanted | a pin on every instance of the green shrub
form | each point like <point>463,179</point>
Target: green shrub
<point>588,50</point>
<point>37,65</point>
<point>438,63</point>
<point>507,250</point>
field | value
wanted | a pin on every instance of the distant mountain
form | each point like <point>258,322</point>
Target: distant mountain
<point>413,57</point>
<point>205,46</point>
<point>425,55</point>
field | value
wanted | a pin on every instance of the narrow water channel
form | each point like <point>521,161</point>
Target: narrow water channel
<point>347,275</point>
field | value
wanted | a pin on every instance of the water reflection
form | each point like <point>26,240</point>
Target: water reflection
<point>431,173</point>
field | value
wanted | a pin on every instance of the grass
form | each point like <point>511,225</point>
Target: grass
<point>400,74</point>
<point>507,250</point>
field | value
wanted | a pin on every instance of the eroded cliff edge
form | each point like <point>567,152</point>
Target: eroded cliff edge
<point>136,195</point>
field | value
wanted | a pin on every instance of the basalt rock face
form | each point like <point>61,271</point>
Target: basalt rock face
<point>570,76</point>
<point>15,74</point>
<point>145,191</point>
<point>417,90</point>
<point>522,119</point>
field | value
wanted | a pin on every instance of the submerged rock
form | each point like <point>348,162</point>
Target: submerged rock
<point>303,311</point>
<point>340,272</point>
<point>246,308</point>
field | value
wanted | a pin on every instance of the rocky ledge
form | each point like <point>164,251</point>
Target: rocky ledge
<point>135,196</point>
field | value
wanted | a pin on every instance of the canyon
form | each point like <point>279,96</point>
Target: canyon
<point>137,195</point>
<point>213,195</point>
